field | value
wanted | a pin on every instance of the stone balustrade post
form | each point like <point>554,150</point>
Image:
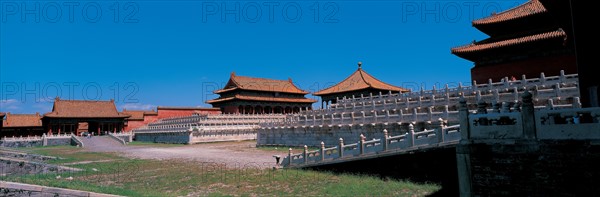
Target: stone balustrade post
<point>385,139</point>
<point>505,107</point>
<point>576,103</point>
<point>341,148</point>
<point>446,112</point>
<point>481,107</point>
<point>364,117</point>
<point>496,107</point>
<point>542,78</point>
<point>322,150</point>
<point>430,113</point>
<point>439,128</point>
<point>374,116</point>
<point>527,114</point>
<point>387,115</point>
<point>411,137</point>
<point>332,119</point>
<point>496,95</point>
<point>290,159</point>
<point>305,154</point>
<point>415,115</point>
<point>44,140</point>
<point>323,119</point>
<point>550,104</point>
<point>557,92</point>
<point>463,114</point>
<point>373,105</point>
<point>400,115</point>
<point>362,144</point>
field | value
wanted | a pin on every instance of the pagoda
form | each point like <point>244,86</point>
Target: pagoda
<point>529,39</point>
<point>250,95</point>
<point>358,84</point>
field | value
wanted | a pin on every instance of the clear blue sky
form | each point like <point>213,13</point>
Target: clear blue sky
<point>175,53</point>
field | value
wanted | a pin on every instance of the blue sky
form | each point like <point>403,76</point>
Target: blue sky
<point>145,54</point>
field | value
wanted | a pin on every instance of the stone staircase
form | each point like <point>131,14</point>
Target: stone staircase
<point>101,143</point>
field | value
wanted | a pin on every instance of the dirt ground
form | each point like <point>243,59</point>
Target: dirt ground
<point>233,154</point>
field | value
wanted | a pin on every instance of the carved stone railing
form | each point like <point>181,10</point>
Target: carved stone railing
<point>550,122</point>
<point>118,138</point>
<point>559,93</point>
<point>412,139</point>
<point>574,124</point>
<point>21,138</point>
<point>77,141</point>
<point>569,82</point>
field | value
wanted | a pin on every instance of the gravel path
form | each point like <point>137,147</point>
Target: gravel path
<point>233,154</point>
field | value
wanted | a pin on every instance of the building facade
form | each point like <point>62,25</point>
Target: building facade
<point>1,121</point>
<point>22,125</point>
<point>532,38</point>
<point>78,116</point>
<point>359,83</point>
<point>249,95</point>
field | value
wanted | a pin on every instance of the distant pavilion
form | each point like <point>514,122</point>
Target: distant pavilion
<point>249,95</point>
<point>358,84</point>
<point>21,125</point>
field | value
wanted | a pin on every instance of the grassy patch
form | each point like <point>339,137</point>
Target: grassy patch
<point>136,177</point>
<point>69,154</point>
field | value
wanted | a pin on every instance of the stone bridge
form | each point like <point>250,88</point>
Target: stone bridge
<point>509,151</point>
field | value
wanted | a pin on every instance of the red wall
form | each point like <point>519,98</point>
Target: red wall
<point>168,113</point>
<point>551,66</point>
<point>134,124</point>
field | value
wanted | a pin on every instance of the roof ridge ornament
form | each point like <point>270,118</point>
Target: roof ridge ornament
<point>359,65</point>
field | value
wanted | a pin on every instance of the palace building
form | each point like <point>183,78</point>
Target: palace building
<point>77,116</point>
<point>532,38</point>
<point>359,83</point>
<point>249,95</point>
<point>21,125</point>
